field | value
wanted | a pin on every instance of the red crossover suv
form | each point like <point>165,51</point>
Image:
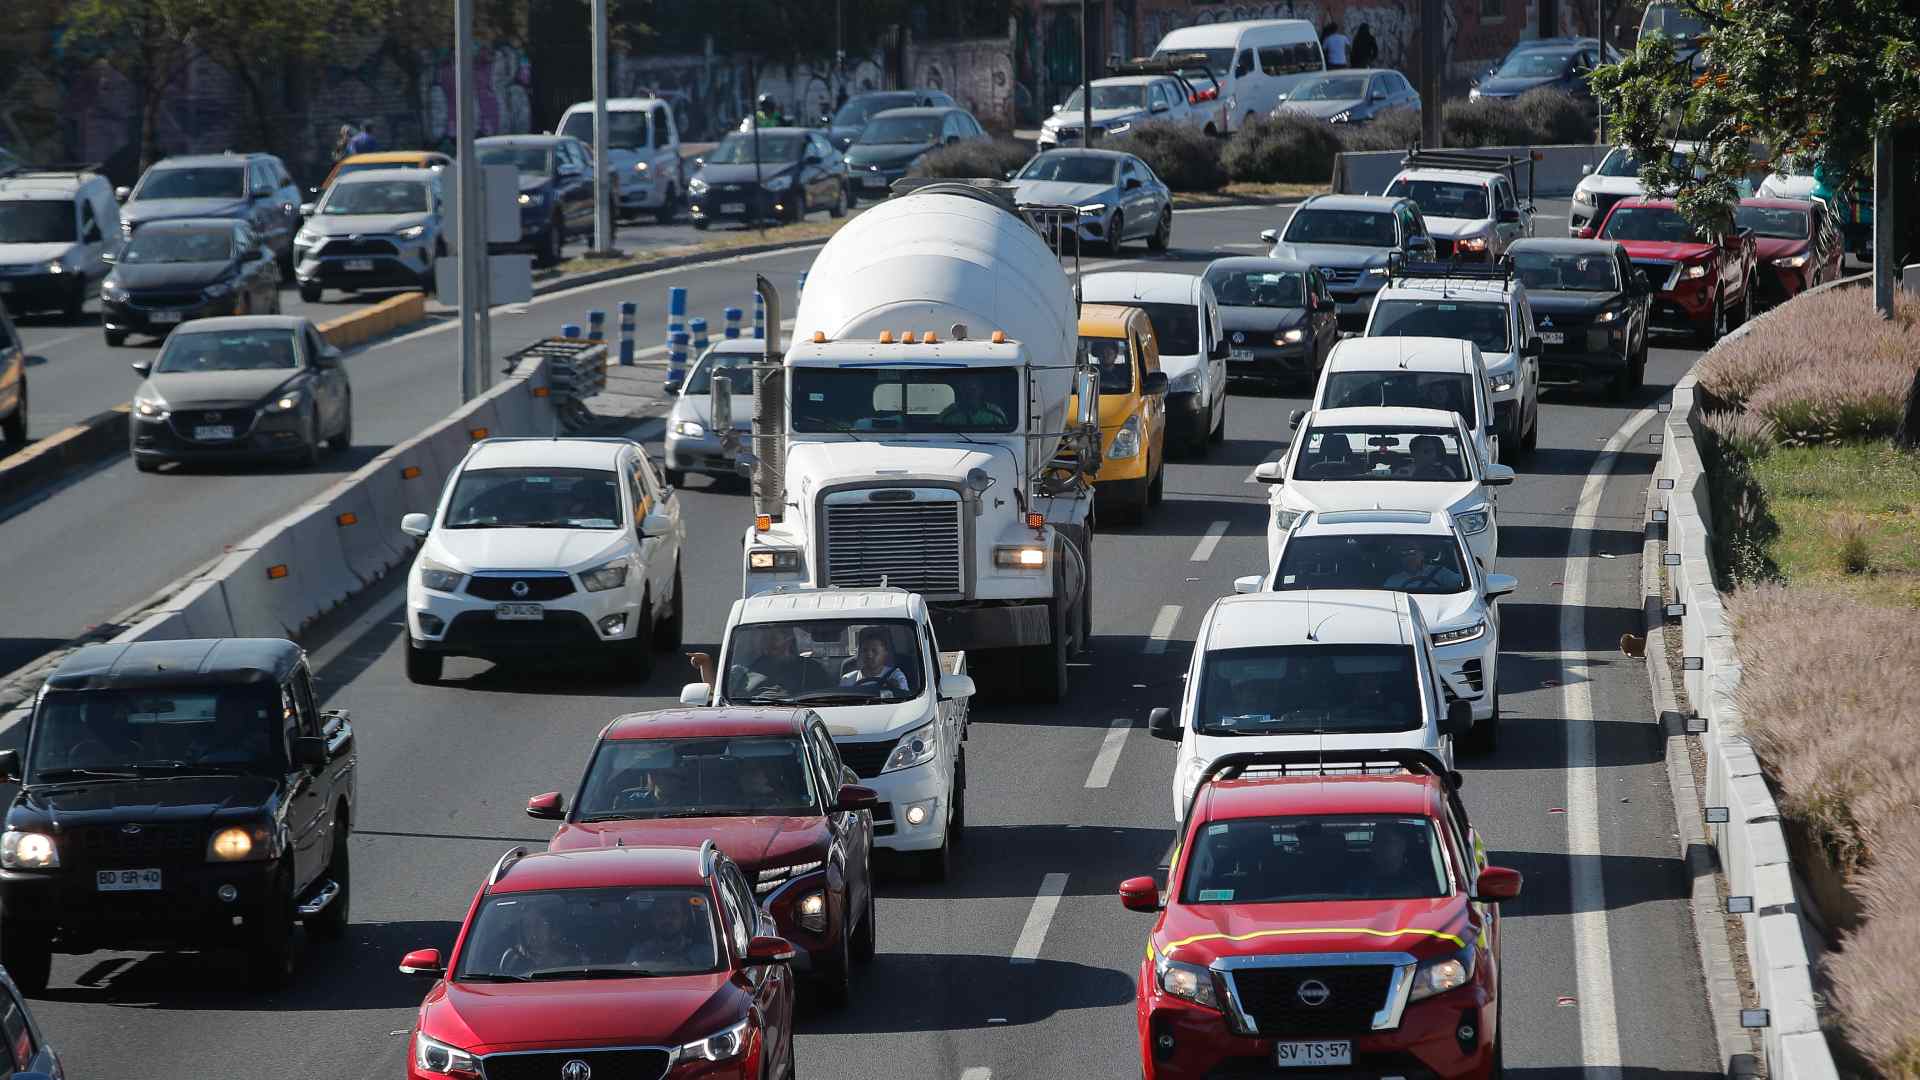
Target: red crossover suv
<point>644,962</point>
<point>1701,283</point>
<point>1323,923</point>
<point>768,786</point>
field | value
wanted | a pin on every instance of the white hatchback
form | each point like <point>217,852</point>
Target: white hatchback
<point>547,549</point>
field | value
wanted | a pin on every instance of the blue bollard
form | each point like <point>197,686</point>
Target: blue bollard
<point>596,326</point>
<point>677,357</point>
<point>676,312</point>
<point>759,317</point>
<point>570,330</point>
<point>699,327</point>
<point>628,310</point>
<point>733,322</point>
<point>800,288</point>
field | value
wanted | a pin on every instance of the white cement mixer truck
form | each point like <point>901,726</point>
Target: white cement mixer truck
<point>916,432</point>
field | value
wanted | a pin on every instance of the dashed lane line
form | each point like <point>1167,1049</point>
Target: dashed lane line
<point>1034,934</point>
<point>1203,550</point>
<point>978,1072</point>
<point>1163,625</point>
<point>1109,755</point>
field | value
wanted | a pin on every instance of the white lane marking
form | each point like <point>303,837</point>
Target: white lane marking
<point>978,1072</point>
<point>1034,934</point>
<point>1109,755</point>
<point>1162,629</point>
<point>1592,945</point>
<point>1203,550</point>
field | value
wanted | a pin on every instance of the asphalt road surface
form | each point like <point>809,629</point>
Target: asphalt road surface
<point>1600,968</point>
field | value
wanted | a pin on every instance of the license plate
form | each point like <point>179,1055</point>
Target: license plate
<point>213,432</point>
<point>733,208</point>
<point>1306,1055</point>
<point>1551,337</point>
<point>519,611</point>
<point>127,880</point>
<point>874,181</point>
<point>1239,354</point>
<point>164,317</point>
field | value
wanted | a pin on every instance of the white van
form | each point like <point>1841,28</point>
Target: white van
<point>1256,61</point>
<point>57,227</point>
<point>643,146</point>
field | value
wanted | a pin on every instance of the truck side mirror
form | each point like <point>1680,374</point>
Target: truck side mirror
<point>1268,472</point>
<point>1499,475</point>
<point>1162,725</point>
<point>1294,418</point>
<point>1271,236</point>
<point>142,368</point>
<point>1501,585</point>
<point>956,687</point>
<point>549,806</point>
<point>1247,584</point>
<point>10,766</point>
<point>416,524</point>
<point>696,693</point>
<point>1140,894</point>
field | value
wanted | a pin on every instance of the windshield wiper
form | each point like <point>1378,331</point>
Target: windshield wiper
<point>56,775</point>
<point>834,697</point>
<point>208,766</point>
<point>762,699</point>
<point>492,976</point>
<point>592,973</point>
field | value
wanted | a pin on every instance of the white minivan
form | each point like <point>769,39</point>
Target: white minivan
<point>643,146</point>
<point>1193,347</point>
<point>1256,60</point>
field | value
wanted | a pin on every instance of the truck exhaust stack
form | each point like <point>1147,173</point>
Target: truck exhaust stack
<point>769,413</point>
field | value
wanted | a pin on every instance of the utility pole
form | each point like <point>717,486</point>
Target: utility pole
<point>472,231</point>
<point>1886,191</point>
<point>839,56</point>
<point>602,188</point>
<point>1433,50</point>
<point>1599,107</point>
<point>1086,76</point>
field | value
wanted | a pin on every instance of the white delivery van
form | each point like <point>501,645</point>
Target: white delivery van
<point>1257,61</point>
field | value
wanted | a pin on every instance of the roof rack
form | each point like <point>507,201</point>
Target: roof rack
<point>1470,162</point>
<point>505,864</point>
<point>74,169</point>
<point>1500,272</point>
<point>1376,761</point>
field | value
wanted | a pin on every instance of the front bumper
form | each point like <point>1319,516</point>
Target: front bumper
<point>1469,671</point>
<point>743,206</point>
<point>874,181</point>
<point>1778,284</point>
<point>22,293</point>
<point>460,624</point>
<point>1687,306</point>
<point>365,264</point>
<point>924,787</point>
<point>1270,362</point>
<point>151,314</point>
<point>186,912</point>
<point>256,434</point>
<point>705,454</point>
<point>1586,352</point>
<point>1354,303</point>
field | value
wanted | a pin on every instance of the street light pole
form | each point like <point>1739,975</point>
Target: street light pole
<point>1600,107</point>
<point>602,187</point>
<point>1086,76</point>
<point>473,238</point>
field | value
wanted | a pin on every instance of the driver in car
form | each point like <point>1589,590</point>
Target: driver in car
<point>668,936</point>
<point>971,408</point>
<point>1417,574</point>
<point>538,945</point>
<point>780,663</point>
<point>876,670</point>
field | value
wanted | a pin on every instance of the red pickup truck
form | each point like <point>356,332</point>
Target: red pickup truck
<point>1701,283</point>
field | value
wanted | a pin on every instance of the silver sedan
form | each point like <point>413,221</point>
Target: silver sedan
<point>1118,195</point>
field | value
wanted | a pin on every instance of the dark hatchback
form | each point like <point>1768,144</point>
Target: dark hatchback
<point>893,141</point>
<point>845,125</point>
<point>177,794</point>
<point>1590,308</point>
<point>556,190</point>
<point>1279,318</point>
<point>173,272</point>
<point>1562,64</point>
<point>781,175</point>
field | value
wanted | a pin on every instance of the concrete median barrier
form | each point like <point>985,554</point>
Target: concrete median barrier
<point>1556,174</point>
<point>368,515</point>
<point>96,438</point>
<point>375,320</point>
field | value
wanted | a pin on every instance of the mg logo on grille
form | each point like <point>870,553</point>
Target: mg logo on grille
<point>1313,993</point>
<point>520,589</point>
<point>575,1069</point>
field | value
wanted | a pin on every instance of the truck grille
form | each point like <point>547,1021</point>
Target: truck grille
<point>1271,998</point>
<point>113,845</point>
<point>911,545</point>
<point>538,587</point>
<point>1338,276</point>
<point>1659,271</point>
<point>642,1064</point>
<point>866,758</point>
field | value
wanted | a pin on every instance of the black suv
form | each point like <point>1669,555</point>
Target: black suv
<point>177,794</point>
<point>556,190</point>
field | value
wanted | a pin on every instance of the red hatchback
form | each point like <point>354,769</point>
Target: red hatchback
<point>644,962</point>
<point>1318,924</point>
<point>768,786</point>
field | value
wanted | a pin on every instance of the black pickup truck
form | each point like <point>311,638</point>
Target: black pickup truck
<point>177,795</point>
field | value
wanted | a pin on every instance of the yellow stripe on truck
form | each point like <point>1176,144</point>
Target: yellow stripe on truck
<point>1316,931</point>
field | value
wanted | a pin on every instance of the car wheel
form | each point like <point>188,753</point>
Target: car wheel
<point>76,304</point>
<point>1116,233</point>
<point>331,923</point>
<point>935,865</point>
<point>1532,438</point>
<point>344,439</point>
<point>666,637</point>
<point>1162,237</point>
<point>1046,665</point>
<point>1157,488</point>
<point>835,978</point>
<point>14,428</point>
<point>1746,304</point>
<point>1625,382</point>
<point>700,224</point>
<point>865,939</point>
<point>1485,736</point>
<point>839,208</point>
<point>270,957</point>
<point>675,477</point>
<point>27,951</point>
<point>1219,432</point>
<point>423,667</point>
<point>309,453</point>
<point>116,338</point>
<point>146,464</point>
<point>1716,325</point>
<point>669,206</point>
<point>311,294</point>
<point>957,821</point>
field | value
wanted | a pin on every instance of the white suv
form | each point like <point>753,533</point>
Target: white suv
<point>1472,215</point>
<point>1490,310</point>
<point>1424,555</point>
<point>1333,671</point>
<point>544,549</point>
<point>1415,372</point>
<point>1193,347</point>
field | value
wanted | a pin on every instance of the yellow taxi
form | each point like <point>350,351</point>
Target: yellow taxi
<point>1133,408</point>
<point>385,159</point>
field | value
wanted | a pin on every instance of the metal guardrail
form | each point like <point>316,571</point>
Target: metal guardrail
<point>576,371</point>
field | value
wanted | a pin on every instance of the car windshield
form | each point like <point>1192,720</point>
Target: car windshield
<point>535,498</point>
<point>855,112</point>
<point>1622,162</point>
<point>210,182</point>
<point>1119,96</point>
<point>1481,322</point>
<point>1292,860</point>
<point>739,369</point>
<point>1350,228</point>
<point>377,197</point>
<point>737,149</point>
<point>1071,168</point>
<point>1176,327</point>
<point>1568,272</point>
<point>894,400</point>
<point>612,933</point>
<point>163,245</point>
<point>1772,221</point>
<point>80,733</point>
<point>1382,453</point>
<point>1114,360</point>
<point>1445,198</point>
<point>1258,288</point>
<point>1651,224</point>
<point>37,221</point>
<point>829,662</point>
<point>1535,64</point>
<point>228,350</point>
<point>1673,22</point>
<point>901,131</point>
<point>1309,689</point>
<point>704,776</point>
<point>626,130</point>
<point>526,160</point>
<point>1449,390</point>
<point>1331,88</point>
<point>1429,565</point>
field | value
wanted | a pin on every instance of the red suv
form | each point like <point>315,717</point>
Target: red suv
<point>627,961</point>
<point>1701,282</point>
<point>768,786</point>
<point>1317,922</point>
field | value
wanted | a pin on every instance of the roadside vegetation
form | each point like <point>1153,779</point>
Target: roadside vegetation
<point>818,228</point>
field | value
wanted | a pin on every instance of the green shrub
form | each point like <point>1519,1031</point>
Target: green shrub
<point>1486,122</point>
<point>1181,155</point>
<point>1555,119</point>
<point>977,158</point>
<point>1394,130</point>
<point>1282,149</point>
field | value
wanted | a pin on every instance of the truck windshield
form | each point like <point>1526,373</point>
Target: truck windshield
<point>1292,860</point>
<point>618,933</point>
<point>78,734</point>
<point>1428,564</point>
<point>1447,390</point>
<point>708,776</point>
<point>1548,271</point>
<point>1484,324</point>
<point>1381,453</point>
<point>830,662</point>
<point>626,130</point>
<point>909,400</point>
<point>1309,689</point>
<point>1346,228</point>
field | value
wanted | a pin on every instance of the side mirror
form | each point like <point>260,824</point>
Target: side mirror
<point>1247,584</point>
<point>1271,236</point>
<point>1496,883</point>
<point>1140,894</point>
<point>550,806</point>
<point>856,797</point>
<point>121,194</point>
<point>1459,719</point>
<point>10,766</point>
<point>1586,170</point>
<point>810,159</point>
<point>1133,183</point>
<point>1154,383</point>
<point>672,386</point>
<point>696,693</point>
<point>1499,475</point>
<point>1159,107</point>
<point>328,357</point>
<point>1533,347</point>
<point>310,752</point>
<point>569,169</point>
<point>307,209</point>
<point>422,963</point>
<point>1294,418</point>
<point>1586,232</point>
<point>1268,472</point>
<point>1509,216</point>
<point>1162,725</point>
<point>1219,351</point>
<point>142,368</point>
<point>957,687</point>
<point>1642,282</point>
<point>1501,585</point>
<point>263,192</point>
<point>111,255</point>
<point>655,524</point>
<point>416,524</point>
<point>762,951</point>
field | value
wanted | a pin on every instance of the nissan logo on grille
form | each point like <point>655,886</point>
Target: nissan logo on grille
<point>575,1069</point>
<point>520,589</point>
<point>1313,993</point>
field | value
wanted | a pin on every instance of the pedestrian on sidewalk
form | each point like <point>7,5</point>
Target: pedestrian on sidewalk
<point>364,142</point>
<point>1335,43</point>
<point>1365,49</point>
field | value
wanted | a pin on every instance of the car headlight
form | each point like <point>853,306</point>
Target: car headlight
<point>640,167</point>
<point>779,183</point>
<point>28,851</point>
<point>1121,128</point>
<point>1376,271</point>
<point>113,294</point>
<point>916,747</point>
<point>1189,982</point>
<point>1126,441</point>
<point>773,877</point>
<point>1474,243</point>
<point>1289,337</point>
<point>774,560</point>
<point>1792,262</point>
<point>1697,270</point>
<point>434,1056</point>
<point>1464,633</point>
<point>689,429</point>
<point>1583,198</point>
<point>1474,522</point>
<point>126,227</point>
<point>696,186</point>
<point>1608,315</point>
<point>438,576</point>
<point>811,911</point>
<point>1502,381</point>
<point>1473,94</point>
<point>1341,117</point>
<point>1092,209</point>
<point>1442,974</point>
<point>286,402</point>
<point>1020,557</point>
<point>1284,518</point>
<point>606,576</point>
<point>217,289</point>
<point>723,1045</point>
<point>305,238</point>
<point>151,407</point>
<point>239,844</point>
<point>413,233</point>
<point>528,198</point>
<point>1187,382</point>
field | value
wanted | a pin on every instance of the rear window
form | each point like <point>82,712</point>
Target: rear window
<point>1481,322</point>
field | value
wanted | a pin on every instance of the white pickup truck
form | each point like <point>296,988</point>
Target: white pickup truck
<point>867,661</point>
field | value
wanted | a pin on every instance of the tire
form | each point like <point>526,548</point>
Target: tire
<point>1157,487</point>
<point>309,454</point>
<point>701,225</point>
<point>666,636</point>
<point>553,244</point>
<point>1746,304</point>
<point>1162,237</point>
<point>1195,444</point>
<point>14,428</point>
<point>1485,736</point>
<point>116,338</point>
<point>669,207</point>
<point>839,207</point>
<point>27,951</point>
<point>1046,665</point>
<point>834,978</point>
<point>341,442</point>
<point>866,939</point>
<point>676,478</point>
<point>935,866</point>
<point>146,464</point>
<point>1219,432</point>
<point>76,303</point>
<point>270,957</point>
<point>1116,233</point>
<point>1624,383</point>
<point>1716,325</point>
<point>423,667</point>
<point>1532,438</point>
<point>311,294</point>
<point>331,923</point>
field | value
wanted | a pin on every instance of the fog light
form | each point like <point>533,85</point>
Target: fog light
<point>613,624</point>
<point>1166,1041</point>
<point>229,893</point>
<point>917,815</point>
<point>432,624</point>
<point>812,911</point>
<point>1466,1033</point>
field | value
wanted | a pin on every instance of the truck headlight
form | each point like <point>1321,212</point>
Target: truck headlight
<point>1464,633</point>
<point>1608,315</point>
<point>723,1045</point>
<point>413,233</point>
<point>1474,243</point>
<point>527,198</point>
<point>640,167</point>
<point>688,429</point>
<point>1442,974</point>
<point>1474,522</point>
<point>434,1056</point>
<point>1126,441</point>
<point>1284,518</point>
<point>1092,209</point>
<point>438,577</point>
<point>1020,557</point>
<point>1792,262</point>
<point>606,576</point>
<point>1583,198</point>
<point>696,186</point>
<point>811,911</point>
<point>1502,381</point>
<point>773,560</point>
<point>238,844</point>
<point>916,747</point>
<point>28,851</point>
<point>305,238</point>
<point>1696,271</point>
<point>1189,982</point>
